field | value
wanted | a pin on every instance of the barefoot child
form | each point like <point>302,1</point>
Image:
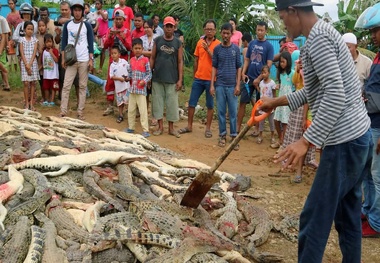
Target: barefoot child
<point>50,84</point>
<point>267,89</point>
<point>140,74</point>
<point>29,66</point>
<point>119,73</point>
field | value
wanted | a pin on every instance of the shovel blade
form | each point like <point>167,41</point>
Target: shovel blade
<point>199,188</point>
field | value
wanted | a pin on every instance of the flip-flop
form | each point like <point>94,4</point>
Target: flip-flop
<point>297,179</point>
<point>157,132</point>
<point>175,133</point>
<point>208,134</point>
<point>6,89</point>
<point>119,119</point>
<point>184,130</point>
<point>222,141</point>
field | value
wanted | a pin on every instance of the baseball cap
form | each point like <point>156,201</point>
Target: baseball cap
<point>169,20</point>
<point>283,4</point>
<point>119,13</point>
<point>350,38</point>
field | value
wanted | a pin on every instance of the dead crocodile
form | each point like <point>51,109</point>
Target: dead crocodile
<point>259,222</point>
<point>16,249</point>
<point>63,163</point>
<point>36,246</point>
<point>27,208</point>
<point>90,179</point>
<point>124,233</point>
<point>51,253</point>
<point>14,185</point>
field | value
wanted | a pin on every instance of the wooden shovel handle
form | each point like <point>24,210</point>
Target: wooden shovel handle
<point>254,119</point>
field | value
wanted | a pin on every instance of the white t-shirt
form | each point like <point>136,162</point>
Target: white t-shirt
<point>50,66</point>
<point>266,89</point>
<point>120,69</point>
<point>4,27</point>
<point>82,45</point>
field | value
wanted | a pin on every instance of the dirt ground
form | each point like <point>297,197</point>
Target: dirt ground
<point>278,195</point>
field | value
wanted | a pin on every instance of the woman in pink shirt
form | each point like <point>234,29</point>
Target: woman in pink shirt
<point>236,35</point>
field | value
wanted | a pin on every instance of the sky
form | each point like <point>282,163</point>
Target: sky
<point>330,6</point>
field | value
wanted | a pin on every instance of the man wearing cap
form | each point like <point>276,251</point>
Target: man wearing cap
<point>120,35</point>
<point>166,62</point>
<point>362,63</point>
<point>128,14</point>
<point>340,127</point>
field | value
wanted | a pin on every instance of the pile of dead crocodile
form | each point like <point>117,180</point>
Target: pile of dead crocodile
<point>66,196</point>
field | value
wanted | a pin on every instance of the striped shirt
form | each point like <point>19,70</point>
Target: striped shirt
<point>332,89</point>
<point>227,62</point>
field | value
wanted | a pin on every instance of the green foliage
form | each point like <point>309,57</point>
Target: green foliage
<point>40,3</point>
<point>348,13</point>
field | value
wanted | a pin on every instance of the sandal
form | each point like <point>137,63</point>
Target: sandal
<point>237,147</point>
<point>184,130</point>
<point>81,117</point>
<point>222,141</point>
<point>129,131</point>
<point>154,122</point>
<point>6,89</point>
<point>297,179</point>
<point>275,145</point>
<point>259,140</point>
<point>157,132</point>
<point>313,164</point>
<point>175,133</point>
<point>272,141</point>
<point>254,134</point>
<point>208,134</point>
<point>119,119</point>
<point>145,134</point>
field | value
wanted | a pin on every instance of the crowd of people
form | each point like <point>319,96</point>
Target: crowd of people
<point>326,96</point>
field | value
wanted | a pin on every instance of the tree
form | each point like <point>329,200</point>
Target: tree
<point>194,13</point>
<point>348,13</point>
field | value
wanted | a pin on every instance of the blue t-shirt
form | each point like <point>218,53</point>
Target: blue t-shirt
<point>373,85</point>
<point>226,60</point>
<point>259,52</point>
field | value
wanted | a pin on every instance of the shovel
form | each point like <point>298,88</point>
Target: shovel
<point>206,177</point>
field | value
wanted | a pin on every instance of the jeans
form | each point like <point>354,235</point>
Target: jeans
<point>80,68</point>
<point>336,196</point>
<point>96,80</point>
<point>371,187</point>
<point>197,89</point>
<point>225,97</point>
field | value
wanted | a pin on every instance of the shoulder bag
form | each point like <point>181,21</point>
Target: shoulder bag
<point>70,53</point>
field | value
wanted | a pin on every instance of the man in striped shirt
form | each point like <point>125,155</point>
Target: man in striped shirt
<point>340,127</point>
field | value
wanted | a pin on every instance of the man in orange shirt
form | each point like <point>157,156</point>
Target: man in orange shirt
<point>202,76</point>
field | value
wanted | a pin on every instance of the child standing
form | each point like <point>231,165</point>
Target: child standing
<point>50,57</point>
<point>281,114</point>
<point>119,73</point>
<point>267,89</point>
<point>40,37</point>
<point>29,65</point>
<point>140,74</point>
<point>11,55</point>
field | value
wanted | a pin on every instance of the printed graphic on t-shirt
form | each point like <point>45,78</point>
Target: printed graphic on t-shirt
<point>256,55</point>
<point>48,63</point>
<point>167,49</point>
<point>74,34</point>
